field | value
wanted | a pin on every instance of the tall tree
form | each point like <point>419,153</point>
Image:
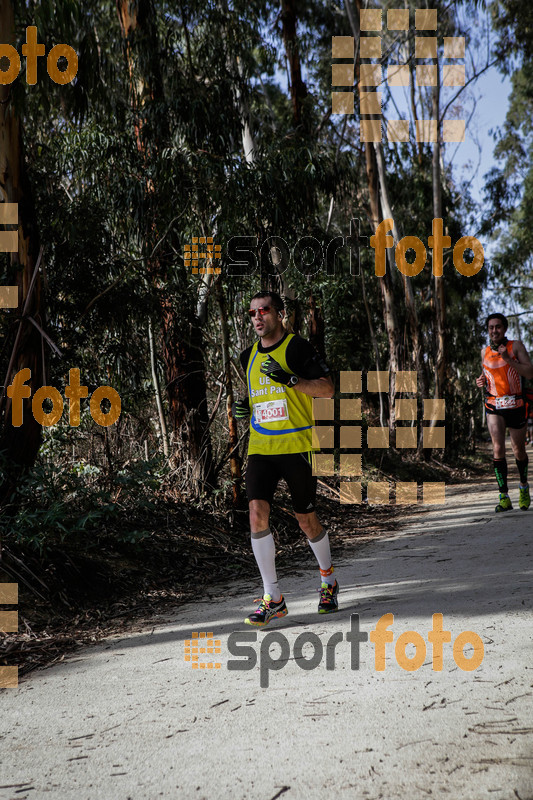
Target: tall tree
<point>385,282</point>
<point>509,187</point>
<point>19,445</point>
<point>181,332</point>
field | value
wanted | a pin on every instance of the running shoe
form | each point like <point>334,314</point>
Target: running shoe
<point>328,598</point>
<point>504,504</point>
<point>266,611</point>
<point>525,500</point>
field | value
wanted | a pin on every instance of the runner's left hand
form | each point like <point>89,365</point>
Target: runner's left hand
<point>502,350</point>
<point>275,371</point>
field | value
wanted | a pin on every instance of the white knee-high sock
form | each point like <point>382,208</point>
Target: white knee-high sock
<point>320,547</point>
<point>265,555</point>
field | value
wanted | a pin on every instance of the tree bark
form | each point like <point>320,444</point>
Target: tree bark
<point>374,345</point>
<point>157,392</point>
<point>317,327</point>
<point>385,286</point>
<point>298,90</point>
<point>20,445</point>
<point>385,283</point>
<point>234,460</point>
<point>182,344</point>
<point>412,314</point>
<point>297,86</point>
<point>441,366</point>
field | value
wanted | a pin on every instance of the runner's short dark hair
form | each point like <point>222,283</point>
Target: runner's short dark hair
<point>497,316</point>
<point>277,302</point>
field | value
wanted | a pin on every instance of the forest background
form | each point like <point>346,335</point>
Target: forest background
<point>215,119</point>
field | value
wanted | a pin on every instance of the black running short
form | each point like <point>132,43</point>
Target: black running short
<point>513,417</point>
<point>263,474</point>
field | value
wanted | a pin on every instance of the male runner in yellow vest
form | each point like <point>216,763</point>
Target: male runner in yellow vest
<point>504,364</point>
<point>283,374</point>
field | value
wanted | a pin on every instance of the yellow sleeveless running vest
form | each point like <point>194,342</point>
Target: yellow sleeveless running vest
<point>282,417</point>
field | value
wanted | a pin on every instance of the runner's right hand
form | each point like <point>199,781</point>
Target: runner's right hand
<point>241,409</point>
<point>480,381</point>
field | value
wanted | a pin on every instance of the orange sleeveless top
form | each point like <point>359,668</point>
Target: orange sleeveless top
<point>502,379</point>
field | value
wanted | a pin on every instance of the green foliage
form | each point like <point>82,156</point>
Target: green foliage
<point>126,169</point>
<point>509,187</point>
<point>78,502</point>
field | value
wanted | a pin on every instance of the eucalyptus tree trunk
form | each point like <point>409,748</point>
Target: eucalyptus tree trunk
<point>385,283</point>
<point>181,334</point>
<point>19,445</point>
<point>298,90</point>
<point>234,459</point>
<point>157,392</point>
<point>441,366</point>
<point>375,346</point>
<point>412,314</point>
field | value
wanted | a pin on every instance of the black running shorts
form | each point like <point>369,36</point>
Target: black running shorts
<point>263,474</point>
<point>513,417</point>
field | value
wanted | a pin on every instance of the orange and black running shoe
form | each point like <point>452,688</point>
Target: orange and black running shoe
<point>328,598</point>
<point>266,611</point>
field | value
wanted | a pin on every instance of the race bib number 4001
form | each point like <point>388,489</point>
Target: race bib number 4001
<point>507,401</point>
<point>271,411</point>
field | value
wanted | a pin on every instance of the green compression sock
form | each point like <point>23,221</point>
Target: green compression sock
<point>500,469</point>
<point>522,469</point>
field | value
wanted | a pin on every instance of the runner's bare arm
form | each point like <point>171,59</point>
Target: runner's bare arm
<point>481,380</point>
<point>319,387</point>
<point>524,367</point>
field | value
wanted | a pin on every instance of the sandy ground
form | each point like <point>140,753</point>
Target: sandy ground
<point>131,718</point>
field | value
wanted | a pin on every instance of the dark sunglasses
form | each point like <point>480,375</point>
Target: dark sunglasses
<point>262,310</point>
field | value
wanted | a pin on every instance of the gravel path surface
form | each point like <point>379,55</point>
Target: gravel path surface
<point>131,718</point>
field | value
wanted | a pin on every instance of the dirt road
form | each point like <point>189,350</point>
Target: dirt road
<point>131,718</point>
